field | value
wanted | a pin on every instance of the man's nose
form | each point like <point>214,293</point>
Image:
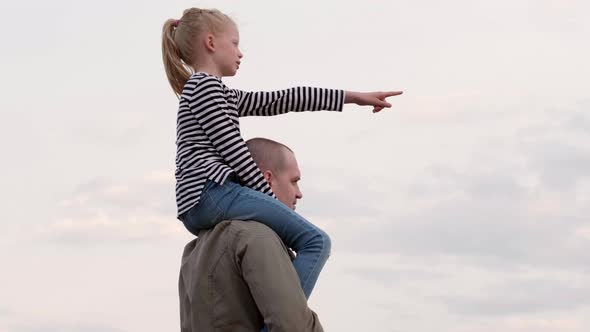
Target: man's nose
<point>299,194</point>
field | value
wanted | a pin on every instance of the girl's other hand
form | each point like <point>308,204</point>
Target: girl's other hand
<point>375,99</point>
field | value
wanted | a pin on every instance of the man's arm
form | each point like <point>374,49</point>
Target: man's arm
<point>185,305</point>
<point>273,282</point>
<point>186,314</point>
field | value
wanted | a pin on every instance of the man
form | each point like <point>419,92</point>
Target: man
<point>238,275</point>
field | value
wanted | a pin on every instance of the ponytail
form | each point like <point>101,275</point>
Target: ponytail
<point>177,71</point>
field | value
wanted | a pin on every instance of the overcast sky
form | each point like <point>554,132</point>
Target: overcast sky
<point>463,208</point>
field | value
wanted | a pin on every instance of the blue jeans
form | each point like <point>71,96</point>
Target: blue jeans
<point>234,201</point>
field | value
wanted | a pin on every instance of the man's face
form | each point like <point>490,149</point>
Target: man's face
<point>285,183</point>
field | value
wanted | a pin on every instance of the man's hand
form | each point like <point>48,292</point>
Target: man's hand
<point>375,99</point>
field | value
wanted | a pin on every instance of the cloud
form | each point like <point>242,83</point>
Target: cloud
<point>457,293</point>
<point>4,311</point>
<point>525,296</point>
<point>520,199</point>
<point>465,295</point>
<point>103,210</point>
<point>578,119</point>
<point>56,327</point>
<point>559,165</point>
<point>390,275</point>
<point>497,238</point>
<point>103,228</point>
<point>564,323</point>
<point>16,321</point>
<point>488,217</point>
<point>325,197</point>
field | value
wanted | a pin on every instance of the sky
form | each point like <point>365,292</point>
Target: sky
<point>464,207</point>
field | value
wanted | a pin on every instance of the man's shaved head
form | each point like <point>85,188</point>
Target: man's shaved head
<point>268,154</point>
<point>278,165</point>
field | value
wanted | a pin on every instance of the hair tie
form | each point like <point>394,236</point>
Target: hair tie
<point>175,24</point>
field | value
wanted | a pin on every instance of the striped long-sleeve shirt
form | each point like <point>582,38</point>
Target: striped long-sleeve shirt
<point>209,143</point>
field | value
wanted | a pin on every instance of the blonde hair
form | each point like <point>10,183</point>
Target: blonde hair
<point>177,42</point>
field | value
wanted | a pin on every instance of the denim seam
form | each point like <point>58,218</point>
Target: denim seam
<point>215,205</point>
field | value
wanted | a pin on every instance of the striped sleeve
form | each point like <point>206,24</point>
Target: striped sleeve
<point>297,99</point>
<point>207,104</point>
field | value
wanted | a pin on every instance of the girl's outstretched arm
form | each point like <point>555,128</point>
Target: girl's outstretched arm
<point>375,99</point>
<point>300,99</point>
<point>297,99</point>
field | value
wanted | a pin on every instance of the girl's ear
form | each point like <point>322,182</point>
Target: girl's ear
<point>210,42</point>
<point>268,177</point>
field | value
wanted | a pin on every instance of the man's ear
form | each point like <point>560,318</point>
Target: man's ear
<point>268,177</point>
<point>209,42</point>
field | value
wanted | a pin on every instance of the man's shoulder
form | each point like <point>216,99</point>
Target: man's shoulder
<point>234,229</point>
<point>248,227</point>
<point>234,235</point>
<point>253,233</point>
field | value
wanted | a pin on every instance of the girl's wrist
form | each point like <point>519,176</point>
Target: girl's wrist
<point>350,97</point>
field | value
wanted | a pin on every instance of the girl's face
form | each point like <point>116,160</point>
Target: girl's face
<point>227,53</point>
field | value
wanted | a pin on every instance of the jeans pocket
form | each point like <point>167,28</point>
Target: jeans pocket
<point>206,214</point>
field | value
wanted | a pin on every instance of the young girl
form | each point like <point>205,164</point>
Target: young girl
<point>217,179</point>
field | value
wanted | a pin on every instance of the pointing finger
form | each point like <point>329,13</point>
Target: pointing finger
<point>392,93</point>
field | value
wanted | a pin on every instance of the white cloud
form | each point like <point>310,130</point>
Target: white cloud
<point>104,211</point>
<point>105,229</point>
<point>456,294</point>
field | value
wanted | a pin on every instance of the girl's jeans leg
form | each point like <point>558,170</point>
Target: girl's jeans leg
<point>233,201</point>
<point>311,244</point>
